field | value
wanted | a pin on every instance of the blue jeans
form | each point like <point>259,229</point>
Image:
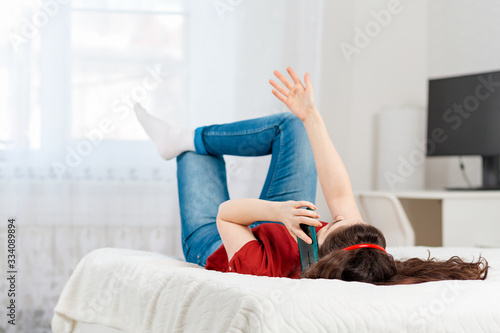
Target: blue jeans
<point>201,175</point>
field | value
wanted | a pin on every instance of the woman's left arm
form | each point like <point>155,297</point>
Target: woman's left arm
<point>332,174</point>
<point>236,215</point>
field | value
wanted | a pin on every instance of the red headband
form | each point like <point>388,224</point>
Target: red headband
<point>362,246</point>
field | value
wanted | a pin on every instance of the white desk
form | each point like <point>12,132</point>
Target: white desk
<point>453,218</point>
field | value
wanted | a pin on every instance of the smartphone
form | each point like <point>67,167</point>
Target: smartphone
<point>308,252</point>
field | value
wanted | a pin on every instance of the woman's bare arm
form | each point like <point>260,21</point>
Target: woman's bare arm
<point>236,215</point>
<point>332,173</point>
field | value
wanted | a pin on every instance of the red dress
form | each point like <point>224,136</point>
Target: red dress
<point>275,253</point>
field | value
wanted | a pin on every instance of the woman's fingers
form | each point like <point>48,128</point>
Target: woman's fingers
<point>279,88</point>
<point>307,213</point>
<point>280,96</point>
<point>283,79</point>
<point>292,234</point>
<point>307,81</point>
<point>294,76</point>
<point>302,235</point>
<point>304,203</point>
<point>309,221</point>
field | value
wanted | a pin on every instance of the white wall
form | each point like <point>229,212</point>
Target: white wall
<point>426,39</point>
<point>334,100</point>
<point>390,71</point>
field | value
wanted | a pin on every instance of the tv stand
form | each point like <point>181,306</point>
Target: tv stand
<point>491,172</point>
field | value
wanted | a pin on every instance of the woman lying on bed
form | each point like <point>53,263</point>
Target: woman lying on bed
<point>236,236</point>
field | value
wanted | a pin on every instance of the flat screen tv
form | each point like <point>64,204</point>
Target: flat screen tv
<point>464,119</point>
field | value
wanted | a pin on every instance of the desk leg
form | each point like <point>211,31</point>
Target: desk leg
<point>425,216</point>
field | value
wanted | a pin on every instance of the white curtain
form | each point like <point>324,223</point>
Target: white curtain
<point>77,172</point>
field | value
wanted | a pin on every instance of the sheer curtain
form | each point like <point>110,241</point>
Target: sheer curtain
<point>76,170</point>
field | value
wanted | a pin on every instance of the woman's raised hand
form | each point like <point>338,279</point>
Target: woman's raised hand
<point>298,98</point>
<point>291,215</point>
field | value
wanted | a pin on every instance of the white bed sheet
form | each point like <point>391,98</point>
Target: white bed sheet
<point>137,291</point>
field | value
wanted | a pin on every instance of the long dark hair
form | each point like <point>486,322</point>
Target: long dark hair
<point>377,267</point>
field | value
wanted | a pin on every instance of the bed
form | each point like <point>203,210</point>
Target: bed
<point>117,290</point>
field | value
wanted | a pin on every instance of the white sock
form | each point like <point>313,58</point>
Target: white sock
<point>171,140</point>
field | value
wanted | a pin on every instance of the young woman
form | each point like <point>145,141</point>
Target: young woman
<point>237,235</point>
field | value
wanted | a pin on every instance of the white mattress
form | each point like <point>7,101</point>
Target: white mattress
<point>136,291</point>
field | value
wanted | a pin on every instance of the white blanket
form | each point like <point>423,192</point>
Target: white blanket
<point>138,291</point>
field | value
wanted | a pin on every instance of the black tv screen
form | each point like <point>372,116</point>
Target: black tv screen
<point>464,115</point>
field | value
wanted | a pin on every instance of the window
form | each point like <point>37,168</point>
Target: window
<point>19,122</point>
<point>75,79</point>
<point>122,52</point>
<point>68,90</point>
